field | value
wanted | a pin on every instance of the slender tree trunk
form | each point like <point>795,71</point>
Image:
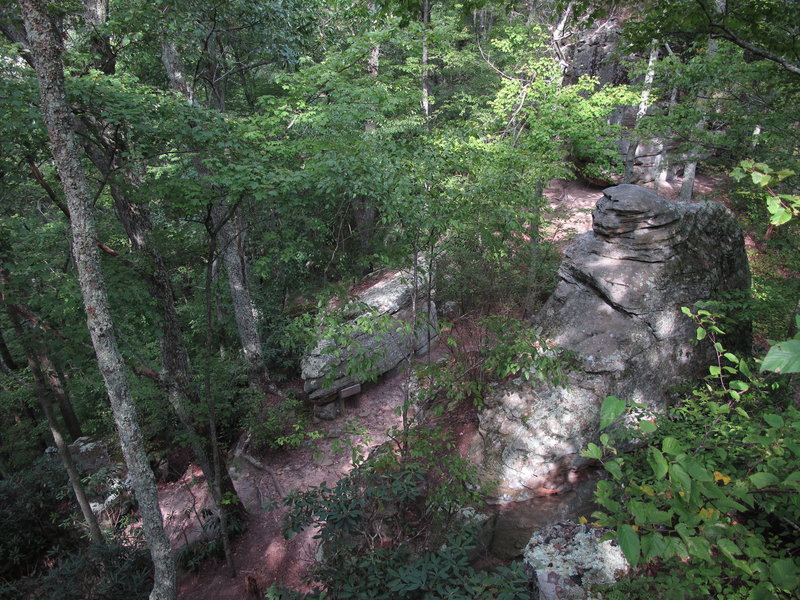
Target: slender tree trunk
<point>59,390</point>
<point>558,34</point>
<point>46,402</point>
<point>233,259</point>
<point>95,15</point>
<point>426,84</point>
<point>535,246</point>
<point>5,353</point>
<point>687,184</point>
<point>644,100</point>
<point>211,404</point>
<point>689,171</point>
<point>662,165</point>
<point>365,212</point>
<point>46,50</point>
<point>231,249</point>
<point>50,373</point>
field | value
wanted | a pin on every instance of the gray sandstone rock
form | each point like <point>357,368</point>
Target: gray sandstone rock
<point>380,336</point>
<point>617,310</point>
<point>566,558</point>
<point>327,412</point>
<point>89,455</point>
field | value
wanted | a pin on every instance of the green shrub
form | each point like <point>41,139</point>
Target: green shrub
<point>100,572</point>
<point>480,353</point>
<point>482,270</point>
<point>394,528</point>
<point>710,498</point>
<point>36,516</point>
<point>193,555</point>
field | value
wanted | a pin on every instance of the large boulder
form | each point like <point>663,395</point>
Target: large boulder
<point>565,559</point>
<point>617,310</point>
<point>376,333</point>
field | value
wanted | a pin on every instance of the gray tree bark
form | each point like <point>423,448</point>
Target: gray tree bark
<point>365,211</point>
<point>644,100</point>
<point>690,169</point>
<point>230,235</point>
<point>46,50</point>
<point>426,84</point>
<point>46,402</point>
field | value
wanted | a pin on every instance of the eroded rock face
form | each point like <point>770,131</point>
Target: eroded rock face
<point>379,332</point>
<point>617,308</point>
<point>593,53</point>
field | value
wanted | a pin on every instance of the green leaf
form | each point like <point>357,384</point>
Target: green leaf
<point>783,357</point>
<point>762,479</point>
<point>701,334</point>
<point>774,420</point>
<point>610,410</point>
<point>671,446</point>
<point>699,547</point>
<point>728,548</point>
<point>793,479</point>
<point>745,370</point>
<point>593,451</point>
<point>647,426</point>
<point>785,574</point>
<point>629,542</point>
<point>657,462</point>
<point>697,471</point>
<point>653,546</point>
<point>679,475</point>
<point>761,592</point>
<point>614,467</point>
<point>739,385</point>
<point>761,179</point>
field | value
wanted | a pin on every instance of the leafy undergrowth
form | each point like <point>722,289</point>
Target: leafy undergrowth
<point>709,504</point>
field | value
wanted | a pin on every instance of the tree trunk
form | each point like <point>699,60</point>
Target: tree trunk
<point>46,402</point>
<point>95,15</point>
<point>687,184</point>
<point>46,50</point>
<point>233,258</point>
<point>426,84</point>
<point>231,248</point>
<point>535,246</point>
<point>644,101</point>
<point>689,171</point>
<point>5,353</point>
<point>216,483</point>
<point>365,212</point>
<point>558,34</point>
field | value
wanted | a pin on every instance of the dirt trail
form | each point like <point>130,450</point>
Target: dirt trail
<point>262,553</point>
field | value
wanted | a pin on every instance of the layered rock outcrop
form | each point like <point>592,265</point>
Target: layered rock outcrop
<point>617,310</point>
<point>376,334</point>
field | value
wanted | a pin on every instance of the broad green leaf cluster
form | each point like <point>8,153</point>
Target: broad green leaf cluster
<point>710,496</point>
